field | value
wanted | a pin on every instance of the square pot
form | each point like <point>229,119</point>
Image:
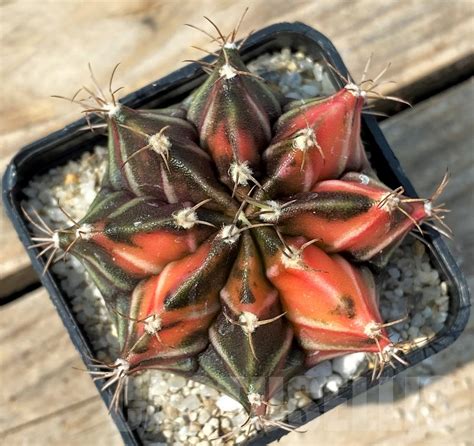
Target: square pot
<point>68,143</point>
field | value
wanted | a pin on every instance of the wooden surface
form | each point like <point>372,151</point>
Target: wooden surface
<point>46,47</point>
<point>45,50</point>
<point>438,135</point>
<point>44,398</point>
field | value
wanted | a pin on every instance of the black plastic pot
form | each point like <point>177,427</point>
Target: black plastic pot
<point>67,144</point>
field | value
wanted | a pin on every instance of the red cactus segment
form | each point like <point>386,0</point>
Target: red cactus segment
<point>315,141</point>
<point>170,313</point>
<point>147,254</point>
<point>147,250</point>
<point>356,214</point>
<point>142,235</point>
<point>233,111</point>
<point>331,304</point>
<point>155,154</point>
<point>247,289</point>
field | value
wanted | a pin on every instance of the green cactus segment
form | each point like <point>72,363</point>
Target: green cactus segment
<point>268,241</point>
<point>106,274</point>
<point>156,155</point>
<point>356,214</point>
<point>214,372</point>
<point>180,366</point>
<point>145,215</point>
<point>174,112</point>
<point>105,204</point>
<point>247,289</point>
<point>206,280</point>
<point>339,206</point>
<point>233,111</point>
<point>233,368</point>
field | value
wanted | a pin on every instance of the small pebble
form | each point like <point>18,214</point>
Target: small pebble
<point>427,312</point>
<point>203,416</point>
<point>348,365</point>
<point>322,370</point>
<point>239,419</point>
<point>191,402</point>
<point>210,427</point>
<point>183,433</point>
<point>227,404</point>
<point>444,288</point>
<point>418,320</point>
<point>316,388</point>
<point>394,273</point>
<point>333,383</point>
<point>299,382</point>
<point>176,383</point>
<point>413,332</point>
<point>310,90</point>
<point>225,423</point>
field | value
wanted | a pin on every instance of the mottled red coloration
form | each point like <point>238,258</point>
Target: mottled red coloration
<point>247,288</point>
<point>148,253</point>
<point>331,304</point>
<point>170,313</point>
<point>315,141</point>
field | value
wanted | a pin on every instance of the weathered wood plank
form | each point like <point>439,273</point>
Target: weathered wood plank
<point>33,341</point>
<point>435,136</point>
<point>16,272</point>
<point>45,399</point>
<point>46,47</point>
<point>85,422</point>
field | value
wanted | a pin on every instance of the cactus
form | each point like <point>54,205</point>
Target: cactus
<point>233,235</point>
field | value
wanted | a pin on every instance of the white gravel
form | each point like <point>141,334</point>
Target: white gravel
<point>167,409</point>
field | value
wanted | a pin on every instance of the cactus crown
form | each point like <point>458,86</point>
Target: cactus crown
<point>232,235</point>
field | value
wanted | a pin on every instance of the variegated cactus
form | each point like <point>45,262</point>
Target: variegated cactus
<point>232,235</point>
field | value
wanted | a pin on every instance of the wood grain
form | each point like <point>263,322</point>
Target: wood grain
<point>434,137</point>
<point>45,401</point>
<point>46,47</point>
